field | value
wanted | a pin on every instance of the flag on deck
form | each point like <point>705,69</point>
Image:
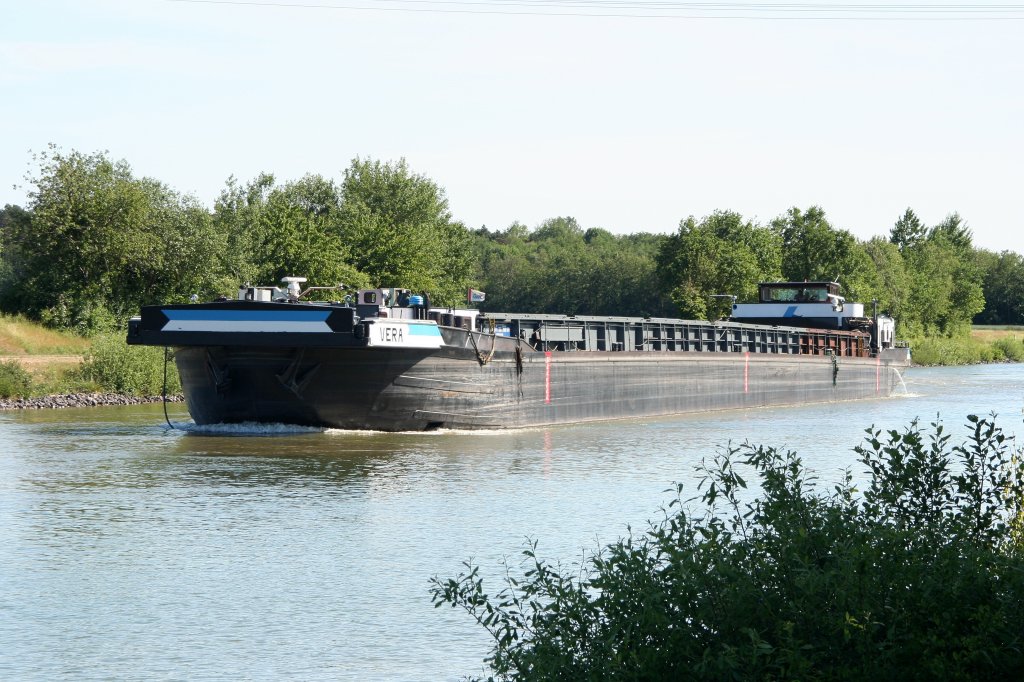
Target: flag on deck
<point>475,296</point>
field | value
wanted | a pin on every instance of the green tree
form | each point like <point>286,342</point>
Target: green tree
<point>954,231</point>
<point>814,250</point>
<point>237,216</point>
<point>400,232</point>
<point>721,255</point>
<point>302,232</point>
<point>275,231</point>
<point>1003,285</point>
<point>99,242</point>
<point>12,214</point>
<point>541,271</point>
<point>945,281</point>
<point>563,230</point>
<point>908,231</point>
<point>893,280</point>
<point>622,275</point>
<point>560,268</point>
<point>502,266</point>
<point>456,262</point>
<point>13,219</point>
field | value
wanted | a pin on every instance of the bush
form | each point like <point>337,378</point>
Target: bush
<point>1011,348</point>
<point>15,381</point>
<point>919,577</point>
<point>86,320</point>
<point>115,366</point>
<point>935,350</point>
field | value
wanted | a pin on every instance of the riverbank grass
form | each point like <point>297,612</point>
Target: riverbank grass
<point>37,361</point>
<point>984,344</point>
<point>19,336</point>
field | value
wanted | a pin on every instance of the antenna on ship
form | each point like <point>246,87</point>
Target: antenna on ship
<point>294,290</point>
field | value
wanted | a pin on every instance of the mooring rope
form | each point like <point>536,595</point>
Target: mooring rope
<point>164,394</point>
<point>480,356</point>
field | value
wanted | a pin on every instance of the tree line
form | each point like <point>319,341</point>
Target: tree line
<point>94,242</point>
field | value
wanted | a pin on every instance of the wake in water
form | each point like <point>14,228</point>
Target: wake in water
<point>277,429</point>
<point>245,429</point>
<point>433,432</point>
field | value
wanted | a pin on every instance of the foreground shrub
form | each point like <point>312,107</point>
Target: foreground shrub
<point>112,365</point>
<point>15,381</point>
<point>920,576</point>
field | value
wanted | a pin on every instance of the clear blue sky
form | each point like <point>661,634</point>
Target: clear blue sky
<point>626,122</point>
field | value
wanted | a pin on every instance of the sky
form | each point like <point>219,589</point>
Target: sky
<point>626,114</point>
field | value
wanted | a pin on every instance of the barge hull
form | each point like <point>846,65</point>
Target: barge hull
<point>456,388</point>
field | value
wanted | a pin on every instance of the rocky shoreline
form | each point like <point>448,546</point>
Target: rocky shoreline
<point>81,400</point>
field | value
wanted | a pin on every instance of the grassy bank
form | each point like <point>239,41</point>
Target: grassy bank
<point>38,361</point>
<point>21,337</point>
<point>985,344</point>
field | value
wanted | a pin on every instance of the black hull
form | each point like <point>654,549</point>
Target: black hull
<point>465,388</point>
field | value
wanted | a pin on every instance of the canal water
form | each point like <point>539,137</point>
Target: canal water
<point>130,551</point>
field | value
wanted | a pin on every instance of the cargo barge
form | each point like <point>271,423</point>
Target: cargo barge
<point>385,359</point>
